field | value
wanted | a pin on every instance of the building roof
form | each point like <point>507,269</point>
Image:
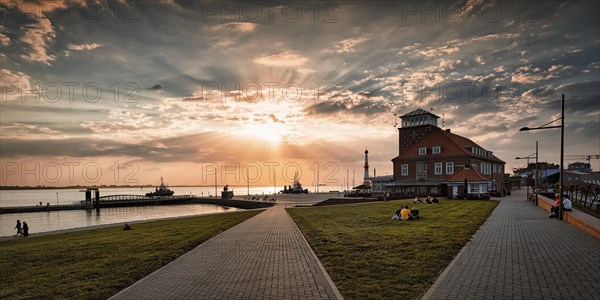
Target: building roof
<point>417,112</point>
<point>459,143</point>
<point>471,174</point>
<point>549,172</point>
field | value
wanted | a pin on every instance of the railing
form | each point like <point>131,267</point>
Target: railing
<point>142,197</point>
<point>585,194</point>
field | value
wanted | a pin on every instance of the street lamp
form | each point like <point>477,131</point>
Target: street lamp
<point>535,182</point>
<point>562,149</point>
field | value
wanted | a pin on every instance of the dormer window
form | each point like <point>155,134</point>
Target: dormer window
<point>436,150</point>
<point>423,151</point>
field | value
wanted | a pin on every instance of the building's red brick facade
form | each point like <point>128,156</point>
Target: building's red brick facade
<point>429,154</point>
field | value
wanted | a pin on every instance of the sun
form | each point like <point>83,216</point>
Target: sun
<point>271,132</point>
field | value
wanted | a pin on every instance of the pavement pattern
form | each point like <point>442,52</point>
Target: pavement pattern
<point>519,253</point>
<point>264,257</point>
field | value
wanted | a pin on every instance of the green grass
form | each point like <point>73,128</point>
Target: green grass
<point>370,256</point>
<point>96,264</point>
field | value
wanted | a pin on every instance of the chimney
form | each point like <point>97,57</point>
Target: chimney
<point>448,130</point>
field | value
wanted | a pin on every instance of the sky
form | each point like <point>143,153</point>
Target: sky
<point>124,92</point>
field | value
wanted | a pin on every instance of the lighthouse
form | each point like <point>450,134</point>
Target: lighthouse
<point>366,180</point>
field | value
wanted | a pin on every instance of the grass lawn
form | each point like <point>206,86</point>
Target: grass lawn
<point>96,264</point>
<point>370,256</point>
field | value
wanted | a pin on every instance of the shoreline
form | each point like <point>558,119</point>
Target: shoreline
<point>85,228</point>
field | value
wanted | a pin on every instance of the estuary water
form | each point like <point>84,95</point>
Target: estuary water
<point>66,219</point>
<point>58,220</point>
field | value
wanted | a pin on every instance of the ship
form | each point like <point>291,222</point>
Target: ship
<point>296,188</point>
<point>161,190</point>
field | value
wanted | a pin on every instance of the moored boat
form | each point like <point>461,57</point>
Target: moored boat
<point>161,190</point>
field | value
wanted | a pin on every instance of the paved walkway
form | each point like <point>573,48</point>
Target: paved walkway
<point>519,253</point>
<point>265,257</point>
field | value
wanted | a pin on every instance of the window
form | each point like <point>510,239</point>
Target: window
<point>450,167</point>
<point>422,151</point>
<point>436,150</point>
<point>405,170</point>
<point>438,168</point>
<point>494,168</point>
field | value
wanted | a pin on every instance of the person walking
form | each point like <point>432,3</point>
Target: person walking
<point>25,229</point>
<point>18,228</point>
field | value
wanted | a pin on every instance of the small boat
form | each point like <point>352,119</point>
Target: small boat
<point>161,190</point>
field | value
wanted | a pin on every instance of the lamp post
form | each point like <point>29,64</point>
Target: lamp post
<point>562,149</point>
<point>535,182</point>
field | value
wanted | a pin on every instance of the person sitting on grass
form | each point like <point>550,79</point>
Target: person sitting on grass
<point>127,227</point>
<point>435,200</point>
<point>415,213</point>
<point>417,200</point>
<point>397,214</point>
<point>428,200</point>
<point>405,214</point>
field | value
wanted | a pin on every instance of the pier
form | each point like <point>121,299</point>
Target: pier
<point>137,200</point>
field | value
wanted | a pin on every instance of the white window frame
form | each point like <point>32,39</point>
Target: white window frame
<point>449,167</point>
<point>404,170</point>
<point>436,150</point>
<point>437,169</point>
<point>474,188</point>
<point>423,151</point>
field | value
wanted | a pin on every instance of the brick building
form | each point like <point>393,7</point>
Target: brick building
<point>428,155</point>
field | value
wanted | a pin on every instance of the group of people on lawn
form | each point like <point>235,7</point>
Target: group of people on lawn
<point>428,200</point>
<point>404,214</point>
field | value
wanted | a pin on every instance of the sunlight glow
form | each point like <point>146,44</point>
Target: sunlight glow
<point>270,132</point>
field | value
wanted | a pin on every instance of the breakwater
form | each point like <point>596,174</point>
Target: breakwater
<point>244,204</point>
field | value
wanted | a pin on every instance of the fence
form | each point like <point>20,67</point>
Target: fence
<point>585,194</point>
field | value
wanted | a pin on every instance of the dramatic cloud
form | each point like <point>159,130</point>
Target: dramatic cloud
<point>15,85</point>
<point>283,59</point>
<point>175,88</point>
<point>236,26</point>
<point>347,46</point>
<point>82,47</point>
<point>38,36</point>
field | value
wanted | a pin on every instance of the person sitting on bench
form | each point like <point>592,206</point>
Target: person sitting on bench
<point>567,204</point>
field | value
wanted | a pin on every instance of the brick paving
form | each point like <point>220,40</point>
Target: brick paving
<point>265,257</point>
<point>519,253</point>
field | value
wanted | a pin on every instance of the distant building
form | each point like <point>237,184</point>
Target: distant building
<point>580,167</point>
<point>379,183</point>
<point>429,155</point>
<point>576,177</point>
<point>468,181</point>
